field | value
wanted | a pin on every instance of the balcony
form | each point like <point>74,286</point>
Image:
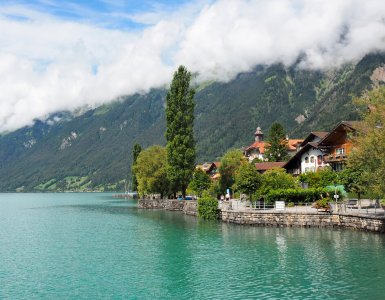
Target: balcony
<point>334,158</point>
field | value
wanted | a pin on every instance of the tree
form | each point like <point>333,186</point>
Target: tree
<point>321,178</point>
<point>277,144</point>
<point>151,171</point>
<point>230,163</point>
<point>135,153</point>
<point>208,207</point>
<point>200,182</point>
<point>179,131</point>
<point>368,153</point>
<point>247,179</point>
<point>275,179</point>
<point>353,181</point>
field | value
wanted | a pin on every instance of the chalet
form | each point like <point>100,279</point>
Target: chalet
<point>321,149</point>
<point>338,144</point>
<point>309,156</point>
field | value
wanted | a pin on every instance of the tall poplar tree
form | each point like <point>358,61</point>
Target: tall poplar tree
<point>179,132</point>
<point>135,153</point>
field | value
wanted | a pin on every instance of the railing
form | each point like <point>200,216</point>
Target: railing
<point>341,208</point>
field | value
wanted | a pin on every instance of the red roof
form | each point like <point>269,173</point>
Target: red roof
<point>292,144</point>
<point>263,166</point>
<point>257,145</point>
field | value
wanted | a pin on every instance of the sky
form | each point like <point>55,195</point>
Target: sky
<point>62,55</point>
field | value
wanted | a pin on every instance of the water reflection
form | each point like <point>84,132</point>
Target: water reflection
<point>96,247</point>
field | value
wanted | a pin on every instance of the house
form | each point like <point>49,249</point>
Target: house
<point>321,149</point>
<point>292,146</point>
<point>211,169</point>
<point>264,166</point>
<point>338,144</point>
<point>309,156</point>
<point>257,149</point>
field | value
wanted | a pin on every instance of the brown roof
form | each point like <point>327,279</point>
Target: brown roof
<point>338,132</point>
<point>320,134</point>
<point>263,166</point>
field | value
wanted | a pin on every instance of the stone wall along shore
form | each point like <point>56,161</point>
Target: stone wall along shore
<point>274,218</point>
<point>285,219</point>
<point>189,207</point>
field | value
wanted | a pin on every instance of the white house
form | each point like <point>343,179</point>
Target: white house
<point>310,157</point>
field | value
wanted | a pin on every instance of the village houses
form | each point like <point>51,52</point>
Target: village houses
<point>321,149</point>
<point>318,150</point>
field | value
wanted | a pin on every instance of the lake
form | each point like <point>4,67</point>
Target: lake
<point>91,246</point>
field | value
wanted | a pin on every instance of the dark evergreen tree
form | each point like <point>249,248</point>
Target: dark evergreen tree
<point>135,153</point>
<point>179,131</point>
<point>276,150</point>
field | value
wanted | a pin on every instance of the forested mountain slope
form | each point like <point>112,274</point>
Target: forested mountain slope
<point>93,150</point>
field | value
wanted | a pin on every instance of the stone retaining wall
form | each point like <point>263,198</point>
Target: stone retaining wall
<point>284,219</point>
<point>188,207</point>
<point>274,218</point>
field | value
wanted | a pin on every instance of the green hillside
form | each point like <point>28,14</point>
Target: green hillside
<point>93,151</point>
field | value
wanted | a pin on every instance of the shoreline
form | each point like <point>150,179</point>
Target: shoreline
<point>273,218</point>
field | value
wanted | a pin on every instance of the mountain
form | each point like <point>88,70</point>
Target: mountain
<point>92,151</point>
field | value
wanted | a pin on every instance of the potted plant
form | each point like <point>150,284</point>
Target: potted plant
<point>323,204</point>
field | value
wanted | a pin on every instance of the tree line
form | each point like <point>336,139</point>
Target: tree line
<point>171,170</point>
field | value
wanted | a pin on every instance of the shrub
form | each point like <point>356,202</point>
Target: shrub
<point>323,203</point>
<point>208,207</point>
<point>290,204</point>
<point>296,195</point>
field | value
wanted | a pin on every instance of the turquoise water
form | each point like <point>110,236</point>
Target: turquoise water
<point>90,246</point>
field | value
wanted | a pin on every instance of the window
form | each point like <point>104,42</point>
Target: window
<point>340,151</point>
<point>319,159</point>
<point>306,160</point>
<point>312,159</point>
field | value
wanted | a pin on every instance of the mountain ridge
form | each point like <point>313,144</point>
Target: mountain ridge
<point>92,151</point>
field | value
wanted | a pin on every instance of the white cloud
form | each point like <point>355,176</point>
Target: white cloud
<point>49,64</point>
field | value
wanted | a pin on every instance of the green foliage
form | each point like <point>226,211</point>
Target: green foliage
<point>135,153</point>
<point>200,182</point>
<point>151,171</point>
<point>277,143</point>
<point>368,156</point>
<point>226,117</point>
<point>208,207</point>
<point>230,163</point>
<point>247,179</point>
<point>320,178</point>
<point>290,204</point>
<point>353,180</point>
<point>323,203</point>
<point>296,195</point>
<point>275,179</point>
<point>179,132</point>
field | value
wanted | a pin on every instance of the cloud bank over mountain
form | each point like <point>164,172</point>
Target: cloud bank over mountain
<point>50,63</point>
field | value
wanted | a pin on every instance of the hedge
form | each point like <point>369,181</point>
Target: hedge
<point>297,195</point>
